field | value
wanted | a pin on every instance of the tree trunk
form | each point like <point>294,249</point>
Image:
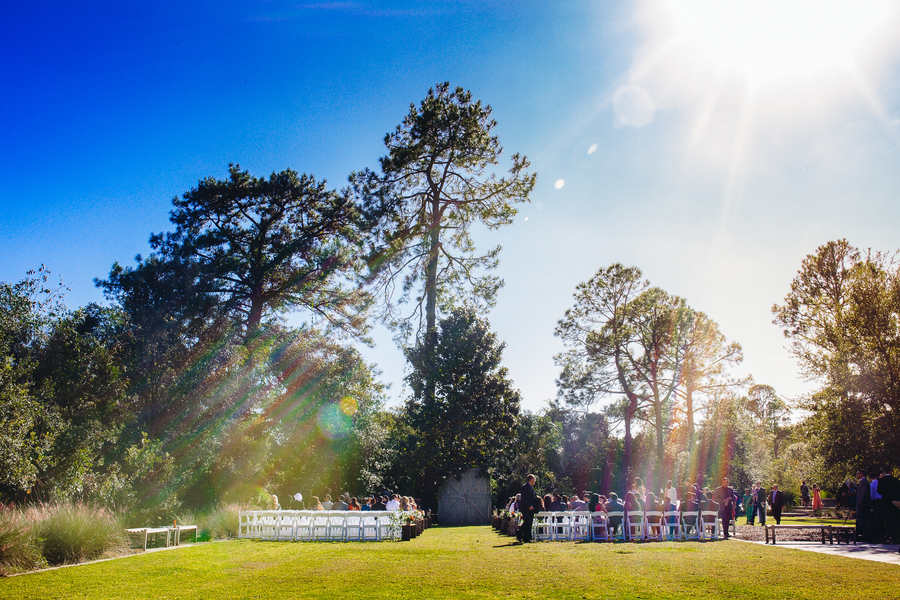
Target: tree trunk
<point>431,292</point>
<point>689,412</point>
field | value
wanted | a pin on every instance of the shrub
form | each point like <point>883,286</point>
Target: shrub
<point>76,532</point>
<point>221,522</point>
<point>18,551</point>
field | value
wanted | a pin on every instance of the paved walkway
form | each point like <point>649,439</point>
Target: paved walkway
<point>886,553</point>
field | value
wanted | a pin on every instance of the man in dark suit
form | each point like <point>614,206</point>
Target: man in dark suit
<point>776,499</point>
<point>760,502</point>
<point>863,507</point>
<point>889,487</point>
<point>726,497</point>
<point>528,505</point>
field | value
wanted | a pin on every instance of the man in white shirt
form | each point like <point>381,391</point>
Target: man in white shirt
<point>327,504</point>
<point>393,503</point>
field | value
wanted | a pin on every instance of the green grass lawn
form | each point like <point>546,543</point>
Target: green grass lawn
<point>468,562</point>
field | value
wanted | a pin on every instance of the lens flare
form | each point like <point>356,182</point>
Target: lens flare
<point>333,423</point>
<point>349,406</point>
<point>559,184</point>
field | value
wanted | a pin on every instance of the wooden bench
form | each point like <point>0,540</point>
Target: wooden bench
<point>828,531</point>
<point>173,534</point>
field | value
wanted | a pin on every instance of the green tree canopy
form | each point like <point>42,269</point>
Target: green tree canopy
<point>470,419</point>
<point>436,182</point>
<point>842,317</point>
<point>258,247</point>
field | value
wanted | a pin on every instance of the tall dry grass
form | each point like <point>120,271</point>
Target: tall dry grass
<point>66,533</point>
<point>18,548</point>
<point>219,523</point>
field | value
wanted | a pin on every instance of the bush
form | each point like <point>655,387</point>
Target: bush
<point>221,522</point>
<point>76,532</point>
<point>18,551</point>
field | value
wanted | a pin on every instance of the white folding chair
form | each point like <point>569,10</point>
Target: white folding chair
<point>268,524</point>
<point>691,526</point>
<point>369,527</point>
<point>581,525</point>
<point>303,526</point>
<point>543,526</point>
<point>353,527</point>
<point>673,525</point>
<point>563,529</point>
<point>710,529</point>
<point>319,526</point>
<point>635,525</point>
<point>337,526</point>
<point>246,523</point>
<point>599,527</point>
<point>285,525</point>
<point>653,525</point>
<point>617,528</point>
<point>386,527</point>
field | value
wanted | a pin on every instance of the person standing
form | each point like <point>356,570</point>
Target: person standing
<point>761,502</point>
<point>777,501</point>
<point>863,507</point>
<point>528,506</point>
<point>725,496</point>
<point>890,492</point>
<point>671,492</point>
<point>804,493</point>
<point>816,498</point>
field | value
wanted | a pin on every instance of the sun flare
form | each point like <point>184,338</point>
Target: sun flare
<point>778,39</point>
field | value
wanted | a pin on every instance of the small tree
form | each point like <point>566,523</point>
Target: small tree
<point>470,419</point>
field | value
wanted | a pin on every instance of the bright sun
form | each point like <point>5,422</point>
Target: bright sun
<point>778,39</point>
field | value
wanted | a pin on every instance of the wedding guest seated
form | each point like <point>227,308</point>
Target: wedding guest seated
<point>633,509</point>
<point>669,506</point>
<point>709,505</point>
<point>558,504</point>
<point>315,504</point>
<point>650,502</point>
<point>366,504</point>
<point>380,504</point>
<point>343,502</point>
<point>689,509</point>
<point>354,504</point>
<point>614,505</point>
<point>576,503</point>
<point>651,505</point>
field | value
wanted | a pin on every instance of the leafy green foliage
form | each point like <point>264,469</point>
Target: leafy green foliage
<point>436,182</point>
<point>470,420</point>
<point>842,316</point>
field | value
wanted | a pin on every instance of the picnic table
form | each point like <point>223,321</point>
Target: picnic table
<point>826,530</point>
<point>173,534</point>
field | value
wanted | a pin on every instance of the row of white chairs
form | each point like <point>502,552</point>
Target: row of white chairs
<point>615,525</point>
<point>318,525</point>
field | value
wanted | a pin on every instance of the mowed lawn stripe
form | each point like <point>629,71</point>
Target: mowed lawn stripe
<point>465,562</point>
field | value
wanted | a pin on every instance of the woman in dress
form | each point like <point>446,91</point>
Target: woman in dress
<point>816,498</point>
<point>316,505</point>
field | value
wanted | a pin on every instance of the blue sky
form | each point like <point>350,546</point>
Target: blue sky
<point>712,149</point>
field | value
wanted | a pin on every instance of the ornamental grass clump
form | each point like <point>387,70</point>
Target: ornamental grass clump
<point>18,551</point>
<point>221,522</point>
<point>76,532</point>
